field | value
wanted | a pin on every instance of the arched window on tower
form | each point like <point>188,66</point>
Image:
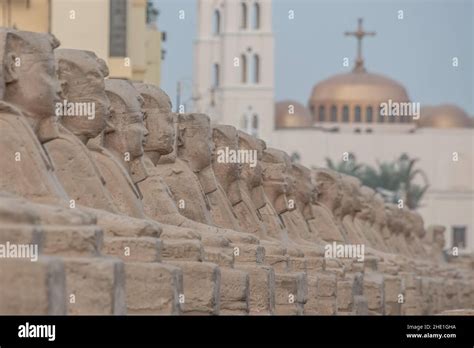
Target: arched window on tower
<point>255,68</point>
<point>256,16</point>
<point>215,75</point>
<point>357,114</point>
<point>333,113</point>
<point>369,114</point>
<point>345,114</point>
<point>243,15</point>
<point>321,112</point>
<point>216,22</point>
<point>243,66</point>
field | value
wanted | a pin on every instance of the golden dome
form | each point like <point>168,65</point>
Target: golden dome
<point>444,116</point>
<point>357,87</point>
<point>291,114</point>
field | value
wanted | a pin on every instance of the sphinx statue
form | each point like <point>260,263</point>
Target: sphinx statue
<point>435,243</point>
<point>27,122</point>
<point>326,197</point>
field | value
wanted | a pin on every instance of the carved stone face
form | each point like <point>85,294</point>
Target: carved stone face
<point>328,188</point>
<point>127,118</point>
<point>350,203</point>
<point>30,73</point>
<point>304,189</point>
<point>367,204</point>
<point>159,118</point>
<point>82,74</point>
<point>225,138</point>
<point>251,175</point>
<point>275,178</point>
<point>195,141</point>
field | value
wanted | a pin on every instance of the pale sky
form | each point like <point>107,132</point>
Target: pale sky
<point>417,50</point>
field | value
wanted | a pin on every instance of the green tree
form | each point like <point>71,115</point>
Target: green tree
<point>395,179</point>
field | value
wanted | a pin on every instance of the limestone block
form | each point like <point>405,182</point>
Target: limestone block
<point>32,288</point>
<point>133,249</point>
<point>235,292</point>
<point>219,256</point>
<point>182,250</point>
<point>153,288</point>
<point>72,241</point>
<point>249,254</point>
<point>262,288</point>
<point>374,292</point>
<point>392,288</point>
<point>291,292</point>
<point>95,286</point>
<point>201,284</point>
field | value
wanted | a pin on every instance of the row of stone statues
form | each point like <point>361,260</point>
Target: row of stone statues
<point>134,212</point>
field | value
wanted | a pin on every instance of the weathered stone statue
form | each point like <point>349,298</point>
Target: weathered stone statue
<point>326,198</point>
<point>30,93</point>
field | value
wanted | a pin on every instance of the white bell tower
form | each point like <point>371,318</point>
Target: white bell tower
<point>233,64</point>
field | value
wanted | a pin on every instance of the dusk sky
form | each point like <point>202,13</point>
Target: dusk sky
<point>417,51</point>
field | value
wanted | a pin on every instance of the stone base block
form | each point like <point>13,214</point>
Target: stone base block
<point>201,284</point>
<point>235,292</point>
<point>153,288</point>
<point>133,249</point>
<point>32,288</point>
<point>262,289</point>
<point>95,286</point>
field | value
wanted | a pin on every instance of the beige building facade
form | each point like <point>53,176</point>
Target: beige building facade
<point>116,30</point>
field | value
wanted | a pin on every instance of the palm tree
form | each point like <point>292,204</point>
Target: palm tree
<point>395,180</point>
<point>350,167</point>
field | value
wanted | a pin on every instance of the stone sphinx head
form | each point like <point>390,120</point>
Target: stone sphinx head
<point>194,141</point>
<point>395,219</point>
<point>276,178</point>
<point>225,163</point>
<point>159,119</point>
<point>416,223</point>
<point>304,189</point>
<point>252,175</point>
<point>81,75</point>
<point>367,202</point>
<point>328,188</point>
<point>128,135</point>
<point>435,236</point>
<point>29,74</point>
<point>351,203</point>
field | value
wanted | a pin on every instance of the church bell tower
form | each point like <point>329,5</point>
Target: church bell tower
<point>233,64</point>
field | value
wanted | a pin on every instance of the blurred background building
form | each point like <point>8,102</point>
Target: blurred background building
<point>122,32</point>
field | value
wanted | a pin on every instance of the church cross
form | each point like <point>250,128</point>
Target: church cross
<point>359,34</point>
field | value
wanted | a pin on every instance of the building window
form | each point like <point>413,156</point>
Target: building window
<point>243,59</point>
<point>345,114</point>
<point>243,14</point>
<point>256,68</point>
<point>322,116</point>
<point>254,130</point>
<point>215,76</point>
<point>368,114</point>
<point>381,117</point>
<point>357,114</point>
<point>256,16</point>
<point>118,28</point>
<point>333,113</point>
<point>216,23</point>
<point>459,237</point>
